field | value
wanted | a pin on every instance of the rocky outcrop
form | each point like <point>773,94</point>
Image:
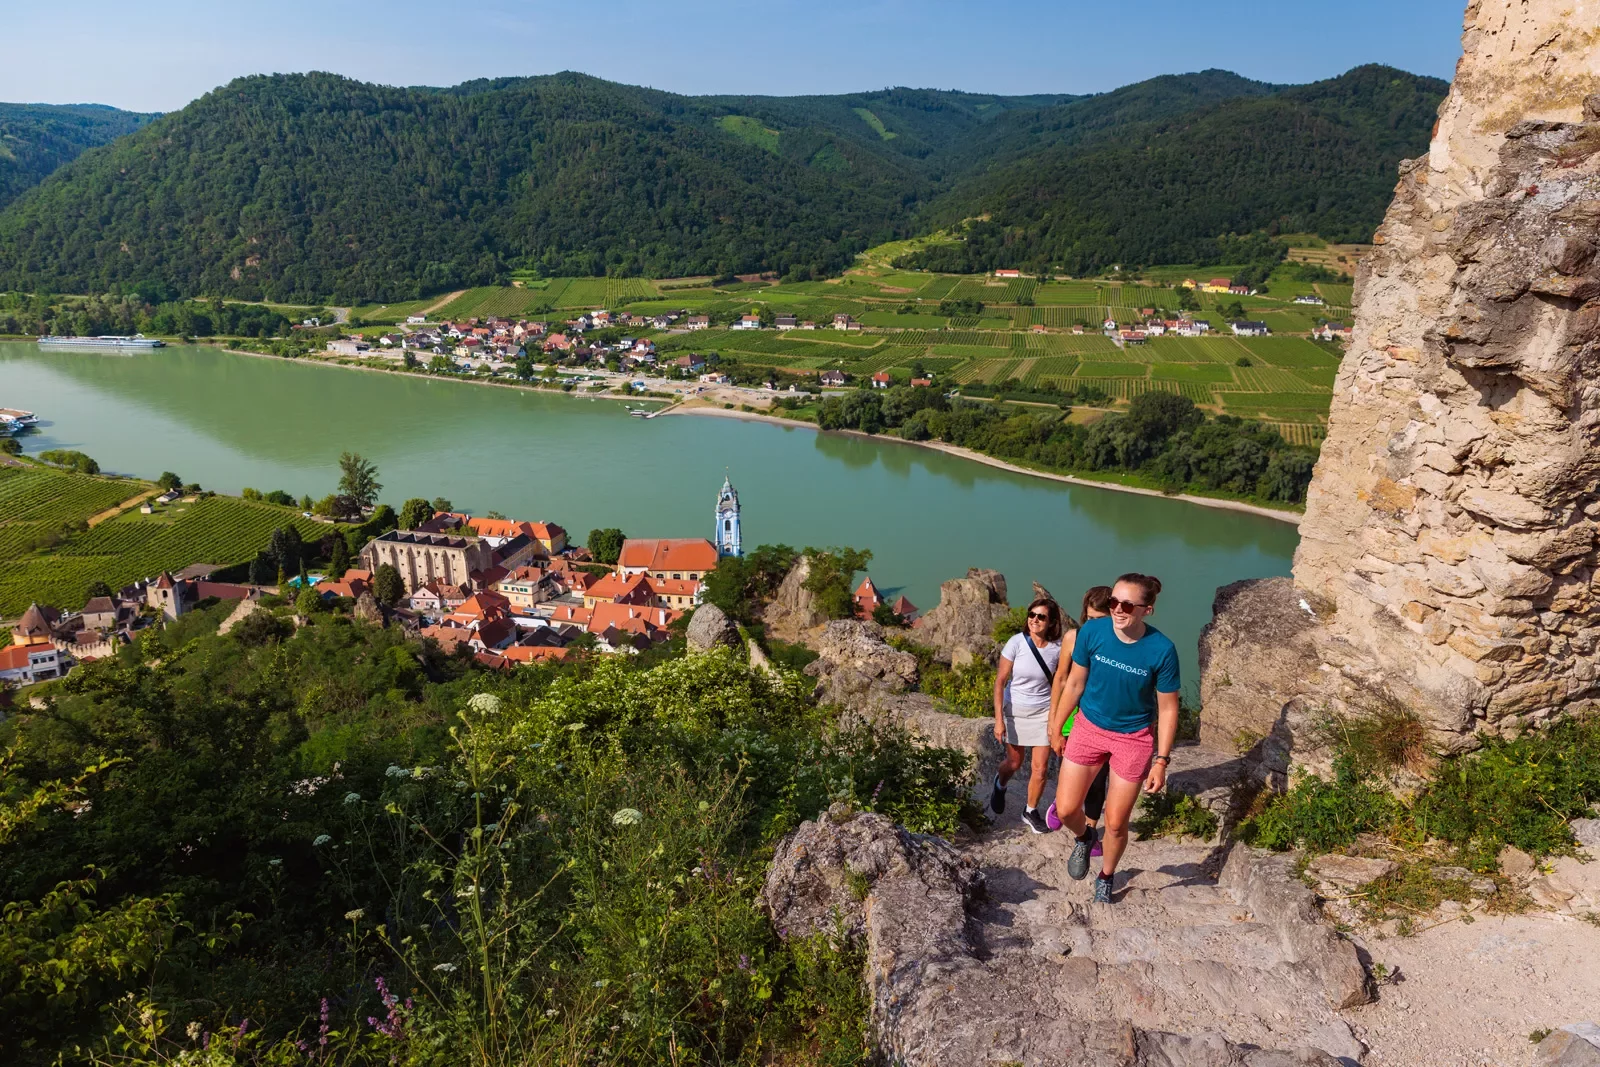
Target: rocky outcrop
<point>709,628</point>
<point>965,968</point>
<point>959,629</point>
<point>1448,551</point>
<point>368,610</point>
<point>793,614</point>
<point>1575,1045</point>
<point>854,662</point>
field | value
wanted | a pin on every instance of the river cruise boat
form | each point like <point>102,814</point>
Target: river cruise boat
<point>20,418</point>
<point>137,341</point>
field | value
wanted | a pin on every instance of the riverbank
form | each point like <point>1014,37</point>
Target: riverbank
<point>1291,517</point>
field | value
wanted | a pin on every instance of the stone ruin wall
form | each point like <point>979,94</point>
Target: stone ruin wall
<point>1448,550</point>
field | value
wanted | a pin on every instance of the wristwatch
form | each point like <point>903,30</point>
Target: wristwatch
<point>1161,759</point>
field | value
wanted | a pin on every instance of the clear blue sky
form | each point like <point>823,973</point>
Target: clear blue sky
<point>160,54</point>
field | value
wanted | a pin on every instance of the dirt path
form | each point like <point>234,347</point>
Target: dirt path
<point>442,301</point>
<point>131,502</point>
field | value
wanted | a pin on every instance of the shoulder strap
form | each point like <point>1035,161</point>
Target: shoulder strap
<point>1049,674</point>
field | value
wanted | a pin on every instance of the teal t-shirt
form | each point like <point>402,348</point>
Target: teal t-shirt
<point>1124,678</point>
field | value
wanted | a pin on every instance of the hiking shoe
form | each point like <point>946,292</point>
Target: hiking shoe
<point>1097,850</point>
<point>1078,862</point>
<point>1035,821</point>
<point>1050,819</point>
<point>997,797</point>
<point>1102,889</point>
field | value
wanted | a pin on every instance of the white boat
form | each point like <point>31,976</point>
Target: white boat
<point>138,340</point>
<point>18,416</point>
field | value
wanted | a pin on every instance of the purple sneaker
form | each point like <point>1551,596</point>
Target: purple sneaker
<point>1096,850</point>
<point>1050,819</point>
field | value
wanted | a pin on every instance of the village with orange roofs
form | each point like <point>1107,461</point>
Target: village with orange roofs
<point>507,591</point>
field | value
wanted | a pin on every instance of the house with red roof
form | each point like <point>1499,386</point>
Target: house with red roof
<point>881,380</point>
<point>667,557</point>
<point>867,597</point>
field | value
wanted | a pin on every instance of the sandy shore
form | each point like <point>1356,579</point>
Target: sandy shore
<point>1291,517</point>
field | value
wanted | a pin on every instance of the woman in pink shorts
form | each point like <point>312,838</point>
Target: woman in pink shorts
<point>1124,681</point>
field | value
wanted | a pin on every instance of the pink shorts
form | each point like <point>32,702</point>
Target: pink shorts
<point>1090,746</point>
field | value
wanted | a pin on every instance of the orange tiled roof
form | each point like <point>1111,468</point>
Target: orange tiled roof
<point>669,554</point>
<point>674,586</point>
<point>532,653</point>
<point>630,619</point>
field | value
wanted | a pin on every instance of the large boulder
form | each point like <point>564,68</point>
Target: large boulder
<point>1575,1045</point>
<point>941,993</point>
<point>854,661</point>
<point>709,628</point>
<point>792,615</point>
<point>960,628</point>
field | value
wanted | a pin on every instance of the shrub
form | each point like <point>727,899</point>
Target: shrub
<point>1322,816</point>
<point>1169,814</point>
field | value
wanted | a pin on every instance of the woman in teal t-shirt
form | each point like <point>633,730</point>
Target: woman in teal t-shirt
<point>1124,681</point>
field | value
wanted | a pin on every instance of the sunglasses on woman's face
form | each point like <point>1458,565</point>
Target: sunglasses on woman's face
<point>1126,606</point>
<point>1042,616</point>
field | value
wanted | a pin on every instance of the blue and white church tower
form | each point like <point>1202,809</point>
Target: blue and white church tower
<point>727,536</point>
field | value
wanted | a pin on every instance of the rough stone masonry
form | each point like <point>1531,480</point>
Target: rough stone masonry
<point>1448,552</point>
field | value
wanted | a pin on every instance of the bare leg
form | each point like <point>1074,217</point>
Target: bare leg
<point>1009,765</point>
<point>1041,767</point>
<point>1121,795</point>
<point>1071,788</point>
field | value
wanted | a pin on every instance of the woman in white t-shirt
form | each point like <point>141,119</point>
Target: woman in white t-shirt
<point>1022,705</point>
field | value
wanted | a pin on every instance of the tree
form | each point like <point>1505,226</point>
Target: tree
<point>832,577</point>
<point>358,479</point>
<point>308,602</point>
<point>97,588</point>
<point>884,615</point>
<point>739,584</point>
<point>442,504</point>
<point>11,446</point>
<point>387,588</point>
<point>263,569</point>
<point>415,512</point>
<point>169,481</point>
<point>339,558</point>
<point>605,545</point>
<point>285,547</point>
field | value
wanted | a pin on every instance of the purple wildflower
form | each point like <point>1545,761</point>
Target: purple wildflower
<point>744,962</point>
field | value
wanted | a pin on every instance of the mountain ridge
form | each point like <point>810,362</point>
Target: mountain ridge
<point>314,186</point>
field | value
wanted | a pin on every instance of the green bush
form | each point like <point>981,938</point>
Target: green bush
<point>1323,816</point>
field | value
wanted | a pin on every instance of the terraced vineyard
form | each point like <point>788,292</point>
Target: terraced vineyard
<point>39,560</point>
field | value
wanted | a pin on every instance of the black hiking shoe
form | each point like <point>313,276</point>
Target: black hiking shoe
<point>1078,862</point>
<point>1102,889</point>
<point>997,797</point>
<point>1034,821</point>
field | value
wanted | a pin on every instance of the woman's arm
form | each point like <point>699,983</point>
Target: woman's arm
<point>1058,715</point>
<point>1166,737</point>
<point>1001,677</point>
<point>1071,693</point>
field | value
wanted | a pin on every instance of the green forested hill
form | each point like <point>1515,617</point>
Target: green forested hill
<point>1317,158</point>
<point>35,139</point>
<point>316,187</point>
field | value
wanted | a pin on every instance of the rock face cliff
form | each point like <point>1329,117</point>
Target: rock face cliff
<point>1447,557</point>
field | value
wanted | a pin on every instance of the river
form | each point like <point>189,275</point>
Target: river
<point>229,421</point>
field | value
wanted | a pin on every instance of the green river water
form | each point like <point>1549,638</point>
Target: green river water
<point>229,421</point>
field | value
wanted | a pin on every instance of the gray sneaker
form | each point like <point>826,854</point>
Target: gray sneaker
<point>1102,889</point>
<point>1078,862</point>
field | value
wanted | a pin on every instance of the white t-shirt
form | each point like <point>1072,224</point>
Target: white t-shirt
<point>1029,687</point>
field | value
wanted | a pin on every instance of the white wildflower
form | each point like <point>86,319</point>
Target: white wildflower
<point>575,726</point>
<point>194,1030</point>
<point>627,817</point>
<point>275,862</point>
<point>445,967</point>
<point>484,703</point>
<point>352,798</point>
<point>602,983</point>
<point>355,914</point>
<point>461,785</point>
<point>397,772</point>
<point>320,840</point>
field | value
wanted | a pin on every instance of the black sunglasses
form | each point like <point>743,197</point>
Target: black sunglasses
<point>1045,615</point>
<point>1125,605</point>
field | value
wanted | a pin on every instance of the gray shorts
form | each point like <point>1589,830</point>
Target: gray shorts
<point>1026,727</point>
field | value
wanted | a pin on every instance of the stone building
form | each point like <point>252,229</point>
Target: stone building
<point>1447,561</point>
<point>427,557</point>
